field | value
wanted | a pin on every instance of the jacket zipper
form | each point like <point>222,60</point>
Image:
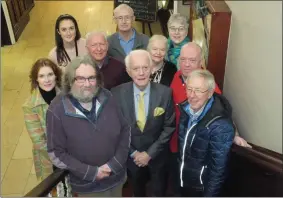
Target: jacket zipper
<point>201,172</point>
<point>183,156</point>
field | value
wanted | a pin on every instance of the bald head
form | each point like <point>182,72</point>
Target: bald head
<point>190,58</point>
<point>192,47</point>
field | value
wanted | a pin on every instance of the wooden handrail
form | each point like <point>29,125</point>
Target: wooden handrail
<point>42,189</point>
<point>268,159</point>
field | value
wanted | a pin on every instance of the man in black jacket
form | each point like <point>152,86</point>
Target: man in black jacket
<point>150,111</point>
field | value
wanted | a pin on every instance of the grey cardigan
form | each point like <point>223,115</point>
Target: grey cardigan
<point>115,49</point>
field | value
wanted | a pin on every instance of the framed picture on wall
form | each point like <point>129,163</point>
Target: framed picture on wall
<point>187,2</point>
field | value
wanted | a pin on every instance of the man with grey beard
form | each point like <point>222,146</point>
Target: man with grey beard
<point>80,137</point>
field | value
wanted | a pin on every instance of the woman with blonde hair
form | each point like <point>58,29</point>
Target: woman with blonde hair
<point>163,71</point>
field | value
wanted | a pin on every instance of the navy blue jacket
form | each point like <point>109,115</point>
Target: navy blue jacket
<point>204,147</point>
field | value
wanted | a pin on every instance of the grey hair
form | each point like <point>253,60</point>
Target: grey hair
<point>136,52</point>
<point>70,72</point>
<point>94,33</point>
<point>157,37</point>
<point>178,18</point>
<point>123,7</point>
<point>207,75</point>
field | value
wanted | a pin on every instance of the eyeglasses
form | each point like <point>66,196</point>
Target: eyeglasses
<point>124,18</point>
<point>197,92</point>
<point>81,79</point>
<point>190,60</point>
<point>174,29</point>
<point>144,69</point>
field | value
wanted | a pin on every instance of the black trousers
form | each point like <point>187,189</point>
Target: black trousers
<point>173,175</point>
<point>191,192</point>
<point>155,171</point>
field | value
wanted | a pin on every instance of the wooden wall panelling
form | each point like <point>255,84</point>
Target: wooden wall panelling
<point>219,38</point>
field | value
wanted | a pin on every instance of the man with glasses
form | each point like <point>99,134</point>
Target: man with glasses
<point>149,109</point>
<point>113,71</point>
<point>206,135</point>
<point>87,134</point>
<point>189,60</point>
<point>127,38</point>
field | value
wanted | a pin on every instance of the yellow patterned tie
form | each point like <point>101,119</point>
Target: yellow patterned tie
<point>141,112</point>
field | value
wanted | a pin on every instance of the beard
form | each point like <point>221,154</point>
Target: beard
<point>81,96</point>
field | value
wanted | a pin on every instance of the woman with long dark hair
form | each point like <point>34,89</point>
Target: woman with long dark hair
<point>69,43</point>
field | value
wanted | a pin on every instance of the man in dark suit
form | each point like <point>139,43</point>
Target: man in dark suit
<point>150,111</point>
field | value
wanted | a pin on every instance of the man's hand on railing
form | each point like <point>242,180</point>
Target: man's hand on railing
<point>241,141</point>
<point>103,171</point>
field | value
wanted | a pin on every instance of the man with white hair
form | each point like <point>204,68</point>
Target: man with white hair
<point>127,38</point>
<point>189,60</point>
<point>113,71</point>
<point>149,109</point>
<point>206,135</point>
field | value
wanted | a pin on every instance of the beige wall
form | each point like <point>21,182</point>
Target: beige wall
<point>253,78</point>
<point>183,9</point>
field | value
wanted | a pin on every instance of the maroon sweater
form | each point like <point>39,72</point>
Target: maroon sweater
<point>114,73</point>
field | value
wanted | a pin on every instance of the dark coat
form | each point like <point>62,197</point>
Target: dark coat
<point>204,147</point>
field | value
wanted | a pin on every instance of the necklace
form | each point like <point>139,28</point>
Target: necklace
<point>157,75</point>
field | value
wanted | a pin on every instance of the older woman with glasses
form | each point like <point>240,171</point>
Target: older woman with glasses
<point>178,30</point>
<point>163,71</point>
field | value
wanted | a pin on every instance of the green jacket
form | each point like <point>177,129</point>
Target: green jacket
<point>35,119</point>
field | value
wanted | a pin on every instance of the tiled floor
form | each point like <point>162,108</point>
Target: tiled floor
<point>17,171</point>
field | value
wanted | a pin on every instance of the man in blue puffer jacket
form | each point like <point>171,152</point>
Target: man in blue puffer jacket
<point>206,135</point>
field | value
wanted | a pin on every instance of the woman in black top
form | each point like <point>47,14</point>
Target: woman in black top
<point>163,71</point>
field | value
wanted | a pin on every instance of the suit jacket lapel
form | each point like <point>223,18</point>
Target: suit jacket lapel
<point>152,104</point>
<point>130,103</point>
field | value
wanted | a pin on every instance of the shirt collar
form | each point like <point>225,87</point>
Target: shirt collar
<point>103,62</point>
<point>195,115</point>
<point>132,37</point>
<point>137,90</point>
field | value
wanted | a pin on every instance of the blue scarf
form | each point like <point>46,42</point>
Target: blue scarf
<point>174,51</point>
